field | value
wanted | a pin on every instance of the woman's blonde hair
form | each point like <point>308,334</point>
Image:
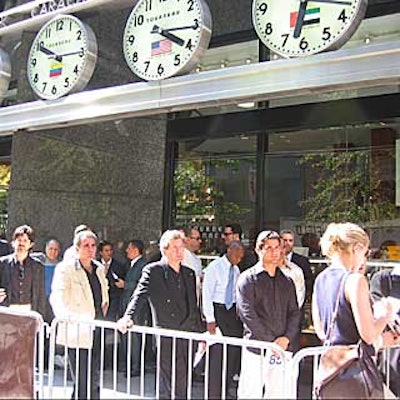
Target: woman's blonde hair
<point>340,236</point>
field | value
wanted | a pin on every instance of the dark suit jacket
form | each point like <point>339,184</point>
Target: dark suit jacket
<point>132,277</point>
<point>119,269</point>
<point>304,264</point>
<point>165,302</point>
<point>38,295</point>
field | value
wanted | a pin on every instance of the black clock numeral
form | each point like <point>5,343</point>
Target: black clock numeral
<point>342,16</point>
<point>135,56</point>
<point>66,82</point>
<point>78,35</point>
<point>36,78</point>
<point>148,5</point>
<point>33,62</point>
<point>263,7</point>
<point>53,90</point>
<point>190,4</point>
<point>60,25</point>
<point>177,60</point>
<point>82,52</point>
<point>196,24</point>
<point>189,44</point>
<point>138,20</point>
<point>160,69</point>
<point>326,33</point>
<point>76,70</point>
<point>48,32</point>
<point>147,63</point>
<point>268,28</point>
<point>39,46</point>
<point>285,37</point>
<point>131,39</point>
<point>303,43</point>
<point>44,86</point>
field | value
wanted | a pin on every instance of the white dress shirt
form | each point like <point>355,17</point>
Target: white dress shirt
<point>294,272</point>
<point>193,262</point>
<point>215,281</point>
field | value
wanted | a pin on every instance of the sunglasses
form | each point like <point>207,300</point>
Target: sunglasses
<point>21,273</point>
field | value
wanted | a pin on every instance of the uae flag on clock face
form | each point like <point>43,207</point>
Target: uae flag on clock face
<point>310,18</point>
<point>161,47</point>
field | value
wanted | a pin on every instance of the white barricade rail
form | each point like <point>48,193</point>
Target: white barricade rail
<point>117,384</point>
<point>22,335</point>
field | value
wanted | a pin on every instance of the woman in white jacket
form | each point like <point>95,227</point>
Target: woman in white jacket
<point>79,293</point>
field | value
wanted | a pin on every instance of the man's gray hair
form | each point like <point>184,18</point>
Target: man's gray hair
<point>167,236</point>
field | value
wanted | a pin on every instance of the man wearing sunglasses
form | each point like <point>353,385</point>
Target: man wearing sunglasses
<point>21,276</point>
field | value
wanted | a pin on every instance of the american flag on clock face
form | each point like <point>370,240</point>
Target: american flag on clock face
<point>161,47</point>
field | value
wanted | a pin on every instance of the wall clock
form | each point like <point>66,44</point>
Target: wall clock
<point>5,72</point>
<point>62,57</point>
<point>295,28</point>
<point>163,38</point>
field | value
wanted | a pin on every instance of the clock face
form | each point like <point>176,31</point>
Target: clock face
<point>62,57</point>
<point>295,28</point>
<point>5,72</point>
<point>166,37</point>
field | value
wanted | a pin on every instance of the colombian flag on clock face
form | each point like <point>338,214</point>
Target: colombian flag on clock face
<point>55,69</point>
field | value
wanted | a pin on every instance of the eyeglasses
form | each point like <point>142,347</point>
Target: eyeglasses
<point>227,233</point>
<point>21,273</point>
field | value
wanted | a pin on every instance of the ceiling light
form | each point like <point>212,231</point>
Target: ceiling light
<point>247,104</point>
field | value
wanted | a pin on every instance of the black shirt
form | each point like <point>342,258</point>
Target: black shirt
<point>267,305</point>
<point>96,291</point>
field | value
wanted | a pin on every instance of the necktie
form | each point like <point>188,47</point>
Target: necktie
<point>229,290</point>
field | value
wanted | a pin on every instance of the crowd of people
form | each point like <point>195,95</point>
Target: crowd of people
<point>246,293</point>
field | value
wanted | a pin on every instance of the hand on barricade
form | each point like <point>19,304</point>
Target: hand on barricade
<point>3,294</point>
<point>211,328</point>
<point>282,341</point>
<point>124,323</point>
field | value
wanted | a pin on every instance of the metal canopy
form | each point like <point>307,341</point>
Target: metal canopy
<point>366,66</point>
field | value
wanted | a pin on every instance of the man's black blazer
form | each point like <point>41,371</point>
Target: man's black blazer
<point>38,295</point>
<point>164,301</point>
<point>118,269</point>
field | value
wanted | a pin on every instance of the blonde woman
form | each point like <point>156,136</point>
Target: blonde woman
<point>347,245</point>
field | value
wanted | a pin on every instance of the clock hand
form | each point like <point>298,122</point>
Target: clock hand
<point>166,34</point>
<point>50,53</point>
<point>300,18</point>
<point>179,28</point>
<point>345,3</point>
<point>70,54</point>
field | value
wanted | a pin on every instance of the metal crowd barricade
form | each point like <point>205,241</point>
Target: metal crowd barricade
<point>119,384</point>
<point>22,336</point>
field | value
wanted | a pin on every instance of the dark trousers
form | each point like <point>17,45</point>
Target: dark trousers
<point>230,325</point>
<point>80,376</point>
<point>181,368</point>
<point>136,351</point>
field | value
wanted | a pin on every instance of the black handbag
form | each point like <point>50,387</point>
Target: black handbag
<point>347,371</point>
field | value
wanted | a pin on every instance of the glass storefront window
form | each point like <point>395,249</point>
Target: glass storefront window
<point>343,174</point>
<point>214,184</point>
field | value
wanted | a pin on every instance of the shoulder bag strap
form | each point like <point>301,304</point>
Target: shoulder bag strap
<point>329,333</point>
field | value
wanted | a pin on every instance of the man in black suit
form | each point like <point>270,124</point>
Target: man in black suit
<point>115,274</point>
<point>134,252</point>
<point>171,290</point>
